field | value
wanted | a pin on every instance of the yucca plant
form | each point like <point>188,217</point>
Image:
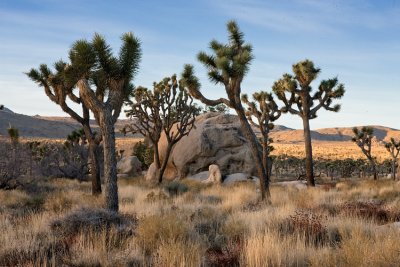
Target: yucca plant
<point>393,147</point>
<point>299,99</point>
<point>228,65</point>
<point>363,139</point>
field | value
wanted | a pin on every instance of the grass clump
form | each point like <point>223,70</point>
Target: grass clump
<point>152,230</point>
<point>366,210</point>
<point>90,220</point>
<point>311,227</point>
<point>176,188</point>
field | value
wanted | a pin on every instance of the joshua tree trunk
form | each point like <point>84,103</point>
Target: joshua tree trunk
<point>110,160</point>
<point>374,169</point>
<point>308,148</point>
<point>394,169</point>
<point>164,163</point>
<point>252,139</point>
<point>156,156</point>
<point>94,167</point>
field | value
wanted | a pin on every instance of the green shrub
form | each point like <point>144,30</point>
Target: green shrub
<point>176,188</point>
<point>144,153</point>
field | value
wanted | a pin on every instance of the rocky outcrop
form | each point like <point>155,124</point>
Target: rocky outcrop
<point>215,176</point>
<point>216,139</point>
<point>129,167</point>
<point>235,178</point>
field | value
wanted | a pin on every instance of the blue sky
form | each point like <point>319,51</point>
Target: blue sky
<point>358,41</point>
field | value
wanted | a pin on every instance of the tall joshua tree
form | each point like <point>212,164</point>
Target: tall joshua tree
<point>104,83</point>
<point>296,93</point>
<point>393,147</point>
<point>228,65</point>
<point>363,139</point>
<point>58,89</point>
<point>266,111</point>
<point>167,108</point>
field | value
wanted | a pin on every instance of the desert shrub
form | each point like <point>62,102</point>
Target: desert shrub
<point>64,161</point>
<point>58,203</point>
<point>234,229</point>
<point>366,210</point>
<point>226,256</point>
<point>156,196</point>
<point>176,188</point>
<point>28,204</point>
<point>156,228</point>
<point>310,226</point>
<point>13,164</point>
<point>45,253</point>
<point>144,153</point>
<point>210,199</point>
<point>175,253</point>
<point>91,220</point>
<point>253,206</point>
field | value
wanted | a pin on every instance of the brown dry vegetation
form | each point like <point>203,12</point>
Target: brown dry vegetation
<point>202,225</point>
<point>330,150</point>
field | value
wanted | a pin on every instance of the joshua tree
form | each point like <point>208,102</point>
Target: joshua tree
<point>266,111</point>
<point>393,147</point>
<point>363,139</point>
<point>57,89</point>
<point>296,90</point>
<point>228,65</point>
<point>104,83</point>
<point>167,108</point>
<point>13,133</point>
<point>76,137</point>
<point>1,107</point>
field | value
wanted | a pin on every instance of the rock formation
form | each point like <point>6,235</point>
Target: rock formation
<point>129,167</point>
<point>216,139</point>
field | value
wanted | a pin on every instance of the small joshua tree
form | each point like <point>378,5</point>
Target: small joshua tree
<point>13,133</point>
<point>393,147</point>
<point>266,111</point>
<point>58,89</point>
<point>297,91</point>
<point>1,107</point>
<point>228,65</point>
<point>363,139</point>
<point>168,108</point>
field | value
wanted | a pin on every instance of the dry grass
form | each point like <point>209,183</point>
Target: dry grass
<point>330,150</point>
<point>205,226</point>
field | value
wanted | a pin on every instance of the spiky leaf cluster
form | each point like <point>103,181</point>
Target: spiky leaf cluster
<point>393,147</point>
<point>295,90</point>
<point>109,75</point>
<point>363,138</point>
<point>264,108</point>
<point>227,64</point>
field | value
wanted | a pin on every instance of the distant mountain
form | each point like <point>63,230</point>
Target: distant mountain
<point>44,127</point>
<point>333,134</point>
<point>60,127</point>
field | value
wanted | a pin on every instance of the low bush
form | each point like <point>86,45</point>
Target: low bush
<point>366,210</point>
<point>91,220</point>
<point>176,188</point>
<point>310,226</point>
<point>156,228</point>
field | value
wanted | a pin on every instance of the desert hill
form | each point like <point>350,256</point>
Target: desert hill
<point>43,127</point>
<point>341,134</point>
<point>60,127</point>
